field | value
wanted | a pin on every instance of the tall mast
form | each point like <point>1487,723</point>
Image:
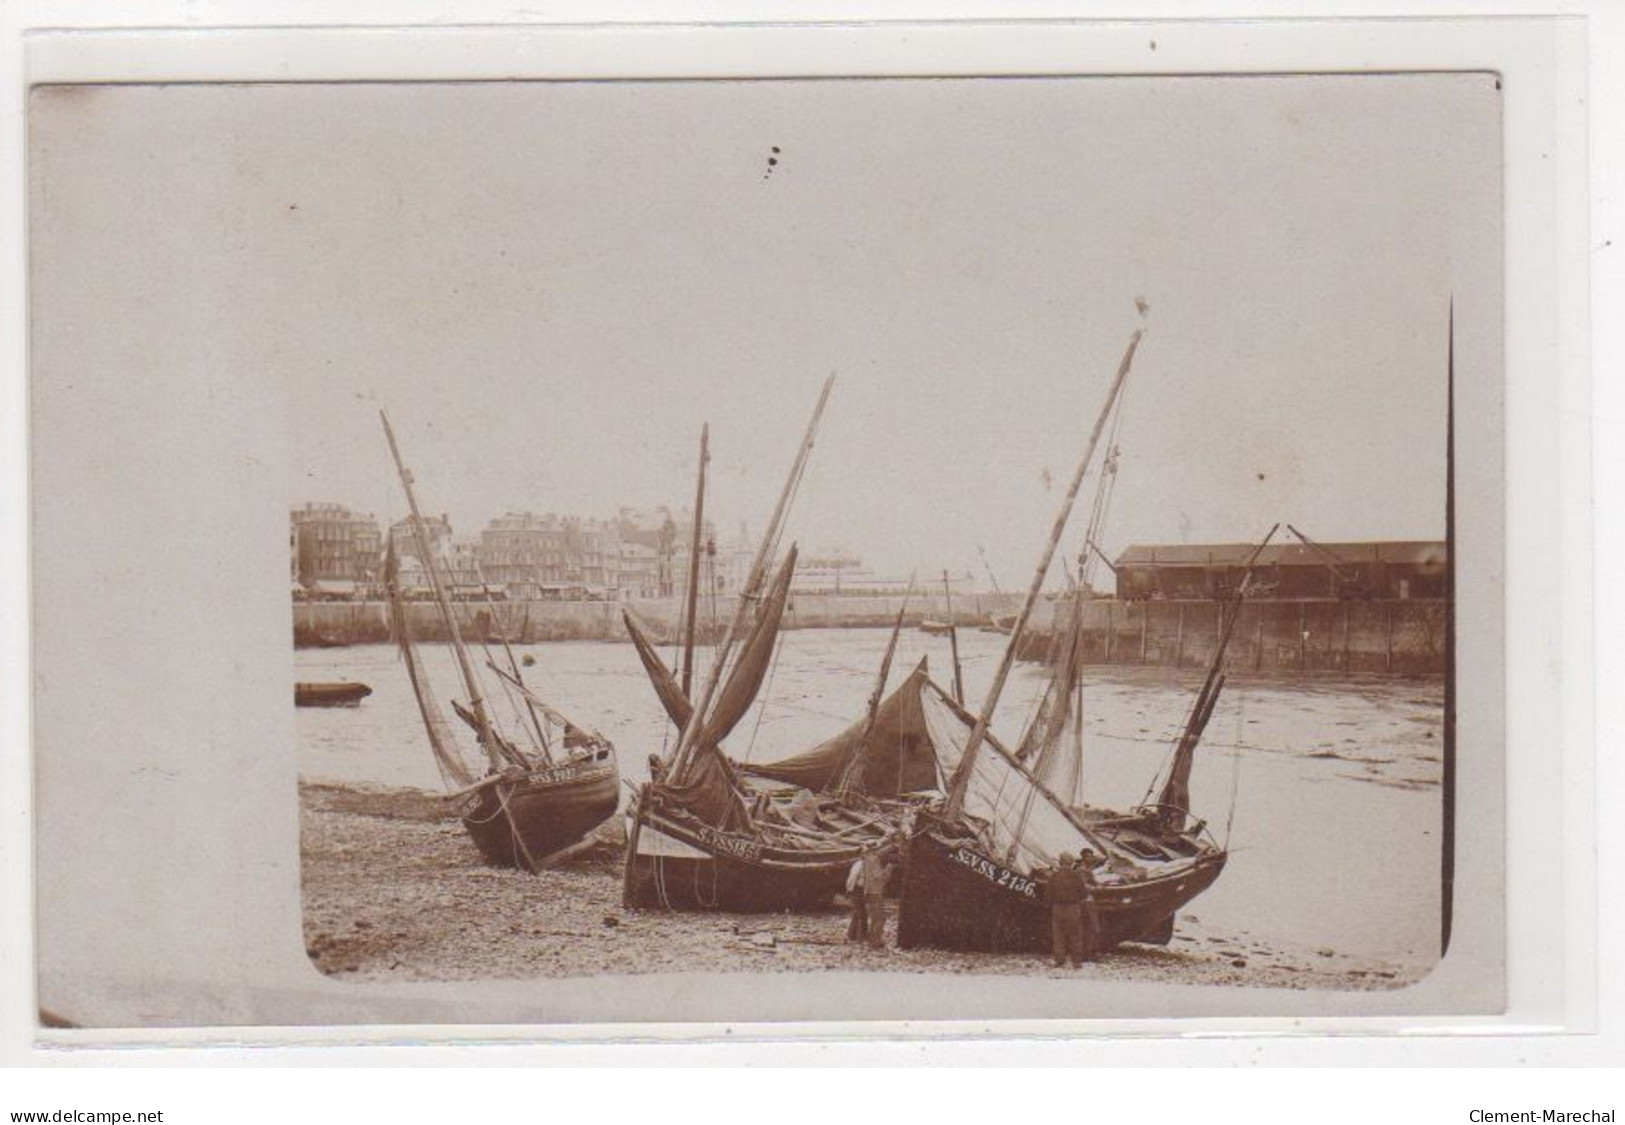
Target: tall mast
<point>953,639</point>
<point>420,535</point>
<point>855,763</point>
<point>750,590</point>
<point>692,609</point>
<point>1175,791</point>
<point>978,734</point>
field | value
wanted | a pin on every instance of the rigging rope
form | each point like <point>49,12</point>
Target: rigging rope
<point>700,898</point>
<point>767,692</point>
<point>1235,770</point>
<point>509,694</point>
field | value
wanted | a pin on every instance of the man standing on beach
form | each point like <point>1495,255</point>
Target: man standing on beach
<point>858,928</point>
<point>866,887</point>
<point>1074,929</point>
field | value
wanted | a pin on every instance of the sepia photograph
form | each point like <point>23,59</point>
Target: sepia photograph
<point>1000,531</point>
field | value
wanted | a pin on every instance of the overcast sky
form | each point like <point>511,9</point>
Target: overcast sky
<point>551,286</point>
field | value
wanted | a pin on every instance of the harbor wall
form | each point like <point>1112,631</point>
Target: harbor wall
<point>1310,635</point>
<point>323,623</point>
<point>1295,636</point>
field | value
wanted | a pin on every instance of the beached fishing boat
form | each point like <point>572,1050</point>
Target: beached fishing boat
<point>974,867</point>
<point>700,835</point>
<point>536,786</point>
<point>329,694</point>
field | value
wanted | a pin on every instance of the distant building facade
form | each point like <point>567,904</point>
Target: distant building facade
<point>526,555</point>
<point>335,546</point>
<point>1370,571</point>
<point>405,541</point>
<point>522,552</point>
<point>668,536</point>
<point>637,570</point>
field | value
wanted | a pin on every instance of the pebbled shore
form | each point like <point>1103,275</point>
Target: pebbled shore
<point>393,890</point>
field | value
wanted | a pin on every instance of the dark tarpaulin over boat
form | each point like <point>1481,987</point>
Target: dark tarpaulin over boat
<point>901,756</point>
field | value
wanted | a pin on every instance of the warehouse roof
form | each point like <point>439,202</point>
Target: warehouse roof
<point>1413,552</point>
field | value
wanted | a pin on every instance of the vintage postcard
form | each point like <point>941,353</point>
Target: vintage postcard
<point>906,549</point>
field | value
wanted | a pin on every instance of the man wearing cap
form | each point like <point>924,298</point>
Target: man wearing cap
<point>1074,930</point>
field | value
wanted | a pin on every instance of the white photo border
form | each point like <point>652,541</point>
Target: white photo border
<point>1552,921</point>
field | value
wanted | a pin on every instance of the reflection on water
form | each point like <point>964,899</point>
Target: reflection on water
<point>1335,785</point>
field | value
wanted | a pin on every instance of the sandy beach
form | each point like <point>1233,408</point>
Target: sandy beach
<point>394,890</point>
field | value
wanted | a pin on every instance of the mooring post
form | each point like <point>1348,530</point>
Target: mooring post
<point>1345,636</point>
<point>1388,615</point>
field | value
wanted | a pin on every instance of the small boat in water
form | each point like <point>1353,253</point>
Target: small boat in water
<point>329,694</point>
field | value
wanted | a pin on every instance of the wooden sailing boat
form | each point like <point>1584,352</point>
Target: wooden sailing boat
<point>546,782</point>
<point>974,868</point>
<point>699,835</point>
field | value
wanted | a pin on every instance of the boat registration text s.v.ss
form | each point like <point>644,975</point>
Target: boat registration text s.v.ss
<point>994,873</point>
<point>736,846</point>
<point>569,771</point>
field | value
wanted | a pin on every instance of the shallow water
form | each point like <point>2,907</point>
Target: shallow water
<point>1337,807</point>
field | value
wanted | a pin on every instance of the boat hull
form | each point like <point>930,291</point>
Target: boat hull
<point>679,864</point>
<point>521,823</point>
<point>954,896</point>
<point>329,694</point>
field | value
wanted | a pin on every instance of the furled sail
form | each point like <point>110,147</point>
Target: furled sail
<point>745,678</point>
<point>454,771</point>
<point>665,684</point>
<point>707,788</point>
<point>710,793</point>
<point>748,672</point>
<point>1175,798</point>
<point>1174,801</point>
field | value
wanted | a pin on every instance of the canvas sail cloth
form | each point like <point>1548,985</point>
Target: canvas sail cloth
<point>900,756</point>
<point>455,770</point>
<point>1043,748</point>
<point>707,788</point>
<point>1021,823</point>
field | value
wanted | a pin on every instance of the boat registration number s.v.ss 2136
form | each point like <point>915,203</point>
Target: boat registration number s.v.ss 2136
<point>996,874</point>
